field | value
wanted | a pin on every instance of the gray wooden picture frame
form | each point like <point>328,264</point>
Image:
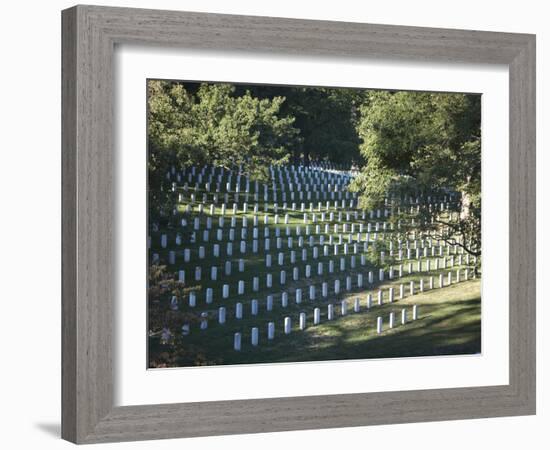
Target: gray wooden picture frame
<point>90,34</point>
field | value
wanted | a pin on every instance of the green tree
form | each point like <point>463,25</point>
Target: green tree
<point>326,118</point>
<point>245,131</point>
<point>215,126</point>
<point>327,121</point>
<point>424,144</point>
<point>211,125</point>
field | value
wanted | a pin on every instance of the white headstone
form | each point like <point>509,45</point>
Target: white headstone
<point>254,337</point>
<point>221,315</point>
<point>284,299</point>
<point>302,321</point>
<point>330,311</point>
<point>324,289</point>
<point>270,331</point>
<point>336,287</point>
<point>239,310</point>
<point>316,316</point>
<point>348,283</point>
<point>237,342</point>
<point>288,325</point>
<point>204,321</point>
<point>415,312</point>
<point>344,307</point>
<point>240,287</point>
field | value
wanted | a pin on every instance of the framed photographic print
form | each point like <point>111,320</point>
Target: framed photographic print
<point>279,224</point>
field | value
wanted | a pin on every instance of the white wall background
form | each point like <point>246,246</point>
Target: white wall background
<point>30,225</point>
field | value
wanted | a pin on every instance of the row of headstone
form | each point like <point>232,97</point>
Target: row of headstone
<point>421,266</point>
<point>333,241</point>
<point>283,184</point>
<point>392,319</point>
<point>287,176</point>
<point>381,297</point>
<point>287,323</point>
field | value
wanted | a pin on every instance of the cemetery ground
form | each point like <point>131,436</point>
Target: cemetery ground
<point>449,323</point>
<point>448,318</point>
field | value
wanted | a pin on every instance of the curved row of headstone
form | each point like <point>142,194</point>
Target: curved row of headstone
<point>311,232</point>
<point>286,177</point>
<point>206,201</point>
<point>287,323</point>
<point>332,246</point>
<point>389,294</point>
<point>308,274</point>
<point>295,184</point>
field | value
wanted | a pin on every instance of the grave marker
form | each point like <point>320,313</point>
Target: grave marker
<point>254,337</point>
<point>316,316</point>
<point>330,311</point>
<point>237,342</point>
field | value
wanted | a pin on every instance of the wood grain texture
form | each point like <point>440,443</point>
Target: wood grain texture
<point>68,225</point>
<point>89,36</point>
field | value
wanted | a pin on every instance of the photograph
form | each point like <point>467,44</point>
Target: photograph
<point>305,223</point>
<point>270,226</point>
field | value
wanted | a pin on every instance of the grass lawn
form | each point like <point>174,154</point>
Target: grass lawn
<point>449,318</point>
<point>449,322</point>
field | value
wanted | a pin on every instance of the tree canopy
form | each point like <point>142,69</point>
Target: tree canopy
<point>213,126</point>
<point>326,117</point>
<point>406,144</point>
<point>424,144</point>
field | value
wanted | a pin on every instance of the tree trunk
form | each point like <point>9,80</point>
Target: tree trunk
<point>465,206</point>
<point>466,203</point>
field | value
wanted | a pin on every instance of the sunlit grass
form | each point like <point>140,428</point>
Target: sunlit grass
<point>449,323</point>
